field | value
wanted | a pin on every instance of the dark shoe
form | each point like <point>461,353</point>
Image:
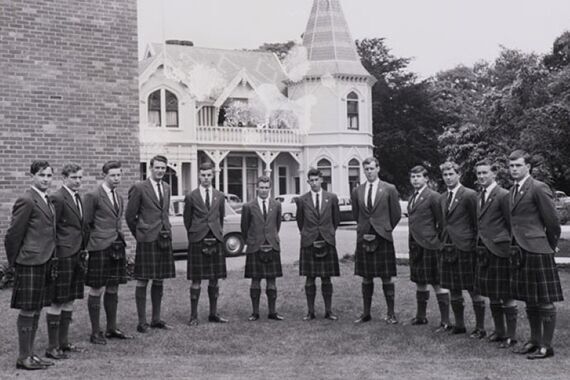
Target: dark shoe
<point>71,348</point>
<point>98,338</point>
<point>160,325</point>
<point>508,343</point>
<point>478,334</point>
<point>331,316</point>
<point>253,317</point>
<point>193,321</point>
<point>541,353</point>
<point>418,321</point>
<point>526,348</point>
<point>275,316</point>
<point>494,337</point>
<point>216,319</point>
<point>363,319</point>
<point>391,320</point>
<point>45,363</point>
<point>143,328</point>
<point>29,364</point>
<point>55,354</point>
<point>458,330</point>
<point>309,317</point>
<point>117,334</point>
<point>443,327</point>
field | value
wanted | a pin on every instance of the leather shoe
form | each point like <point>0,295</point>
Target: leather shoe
<point>443,327</point>
<point>275,316</point>
<point>143,328</point>
<point>253,317</point>
<point>29,364</point>
<point>418,321</point>
<point>71,348</point>
<point>160,325</point>
<point>117,334</point>
<point>508,343</point>
<point>193,321</point>
<point>363,318</point>
<point>495,337</point>
<point>458,330</point>
<point>526,348</point>
<point>541,353</point>
<point>216,319</point>
<point>45,363</point>
<point>391,319</point>
<point>98,338</point>
<point>309,317</point>
<point>331,316</point>
<point>55,354</point>
<point>478,334</point>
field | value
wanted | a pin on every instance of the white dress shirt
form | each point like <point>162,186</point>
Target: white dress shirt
<point>374,190</point>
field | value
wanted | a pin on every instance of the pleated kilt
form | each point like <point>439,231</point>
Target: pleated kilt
<point>312,266</point>
<point>31,289</point>
<point>205,267</point>
<point>423,264</point>
<point>70,280</point>
<point>151,263</point>
<point>535,279</point>
<point>257,268</point>
<point>103,270</point>
<point>380,263</point>
<point>493,274</point>
<point>458,271</point>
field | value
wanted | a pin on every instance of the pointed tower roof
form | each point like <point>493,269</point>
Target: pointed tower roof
<point>330,47</point>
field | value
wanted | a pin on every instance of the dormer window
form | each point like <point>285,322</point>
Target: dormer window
<point>163,109</point>
<point>352,111</point>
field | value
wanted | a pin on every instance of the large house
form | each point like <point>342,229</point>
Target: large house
<point>250,114</point>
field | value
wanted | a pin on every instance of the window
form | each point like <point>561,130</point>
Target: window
<point>282,180</point>
<point>142,171</point>
<point>163,107</point>
<point>352,111</point>
<point>353,174</point>
<point>325,167</point>
<point>154,108</point>
<point>171,110</point>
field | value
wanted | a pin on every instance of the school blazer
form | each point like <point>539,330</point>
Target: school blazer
<point>103,222</point>
<point>198,220</point>
<point>312,224</point>
<point>30,238</point>
<point>144,215</point>
<point>425,219</point>
<point>70,227</point>
<point>495,222</point>
<point>384,215</point>
<point>534,221</point>
<point>460,221</point>
<point>256,229</point>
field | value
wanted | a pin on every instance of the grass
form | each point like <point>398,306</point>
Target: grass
<point>288,349</point>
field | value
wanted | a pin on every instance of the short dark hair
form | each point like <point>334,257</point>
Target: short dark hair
<point>487,162</point>
<point>314,172</point>
<point>369,160</point>
<point>449,165</point>
<point>263,179</point>
<point>206,165</point>
<point>519,153</point>
<point>39,165</point>
<point>159,158</point>
<point>419,169</point>
<point>70,168</point>
<point>111,165</point>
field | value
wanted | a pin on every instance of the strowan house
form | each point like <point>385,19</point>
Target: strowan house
<point>249,114</point>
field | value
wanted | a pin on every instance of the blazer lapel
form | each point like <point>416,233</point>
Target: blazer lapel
<point>71,203</point>
<point>456,199</point>
<point>488,202</point>
<point>42,205</point>
<point>103,195</point>
<point>523,191</point>
<point>361,195</point>
<point>255,208</point>
<point>417,201</point>
<point>150,192</point>
<point>379,194</point>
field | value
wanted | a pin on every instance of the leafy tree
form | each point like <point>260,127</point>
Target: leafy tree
<point>281,49</point>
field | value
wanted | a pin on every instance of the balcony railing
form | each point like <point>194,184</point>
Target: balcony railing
<point>248,136</point>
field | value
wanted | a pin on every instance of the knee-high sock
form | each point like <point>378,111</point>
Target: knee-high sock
<point>255,294</point>
<point>548,319</point>
<point>110,302</point>
<point>535,324</point>
<point>25,326</point>
<point>389,295</point>
<point>498,314</point>
<point>310,293</point>
<point>271,300</point>
<point>94,308</point>
<point>156,292</point>
<point>443,304</point>
<point>479,309</point>
<point>457,307</point>
<point>52,321</point>
<point>511,317</point>
<point>64,323</point>
<point>213,292</point>
<point>194,298</point>
<point>327,291</point>
<point>140,299</point>
<point>422,297</point>
<point>367,293</point>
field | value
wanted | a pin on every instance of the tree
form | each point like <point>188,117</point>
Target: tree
<point>281,49</point>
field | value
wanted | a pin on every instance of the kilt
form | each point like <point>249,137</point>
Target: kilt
<point>103,270</point>
<point>536,281</point>
<point>380,263</point>
<point>312,266</point>
<point>69,281</point>
<point>459,274</point>
<point>31,289</point>
<point>423,265</point>
<point>151,263</point>
<point>256,268</point>
<point>492,277</point>
<point>204,267</point>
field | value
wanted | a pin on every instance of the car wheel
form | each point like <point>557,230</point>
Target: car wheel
<point>233,245</point>
<point>287,217</point>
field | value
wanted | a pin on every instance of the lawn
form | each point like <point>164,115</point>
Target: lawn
<point>288,349</point>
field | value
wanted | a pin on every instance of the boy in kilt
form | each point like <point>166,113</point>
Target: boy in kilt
<point>30,246</point>
<point>492,278</point>
<point>536,230</point>
<point>147,217</point>
<point>204,211</point>
<point>107,263</point>
<point>318,217</point>
<point>457,259</point>
<point>376,209</point>
<point>425,222</point>
<point>260,224</point>
<point>71,261</point>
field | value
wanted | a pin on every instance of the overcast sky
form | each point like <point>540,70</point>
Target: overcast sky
<point>438,34</point>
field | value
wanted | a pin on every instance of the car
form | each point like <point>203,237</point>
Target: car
<point>233,239</point>
<point>235,202</point>
<point>288,206</point>
<point>345,206</point>
<point>562,204</point>
<point>404,208</point>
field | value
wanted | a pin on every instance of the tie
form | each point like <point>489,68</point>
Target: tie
<point>160,196</point>
<point>208,199</point>
<point>369,198</point>
<point>264,211</point>
<point>449,198</point>
<point>413,201</point>
<point>318,205</point>
<point>515,195</point>
<point>49,204</point>
<point>483,198</point>
<point>115,203</point>
<point>79,205</point>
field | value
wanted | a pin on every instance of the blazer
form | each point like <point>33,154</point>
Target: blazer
<point>103,222</point>
<point>495,222</point>
<point>144,215</point>
<point>70,227</point>
<point>256,229</point>
<point>534,221</point>
<point>198,220</point>
<point>384,215</point>
<point>460,221</point>
<point>312,224</point>
<point>30,238</point>
<point>425,219</point>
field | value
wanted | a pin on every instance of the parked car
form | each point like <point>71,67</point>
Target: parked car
<point>233,240</point>
<point>235,202</point>
<point>404,207</point>
<point>288,206</point>
<point>562,204</point>
<point>345,206</point>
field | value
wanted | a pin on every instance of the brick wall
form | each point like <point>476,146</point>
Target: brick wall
<point>68,91</point>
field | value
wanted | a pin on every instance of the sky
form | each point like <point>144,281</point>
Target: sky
<point>437,34</point>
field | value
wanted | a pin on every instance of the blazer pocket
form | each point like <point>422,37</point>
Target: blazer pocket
<point>535,235</point>
<point>501,239</point>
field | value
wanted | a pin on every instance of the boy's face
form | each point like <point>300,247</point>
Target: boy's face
<point>485,176</point>
<point>263,189</point>
<point>315,182</point>
<point>42,179</point>
<point>205,177</point>
<point>418,180</point>
<point>113,177</point>
<point>450,177</point>
<point>73,180</point>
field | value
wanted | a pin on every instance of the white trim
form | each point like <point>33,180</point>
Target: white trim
<point>241,76</point>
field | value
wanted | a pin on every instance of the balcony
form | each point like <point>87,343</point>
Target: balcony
<point>248,136</point>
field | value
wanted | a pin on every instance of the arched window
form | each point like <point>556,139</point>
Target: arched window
<point>352,111</point>
<point>171,110</point>
<point>154,109</point>
<point>325,167</point>
<point>163,109</point>
<point>353,174</point>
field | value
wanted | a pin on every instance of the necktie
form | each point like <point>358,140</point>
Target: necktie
<point>160,196</point>
<point>515,195</point>
<point>369,198</point>
<point>79,205</point>
<point>483,198</point>
<point>49,204</point>
<point>449,198</point>
<point>264,211</point>
<point>413,201</point>
<point>208,199</point>
<point>115,203</point>
<point>318,205</point>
